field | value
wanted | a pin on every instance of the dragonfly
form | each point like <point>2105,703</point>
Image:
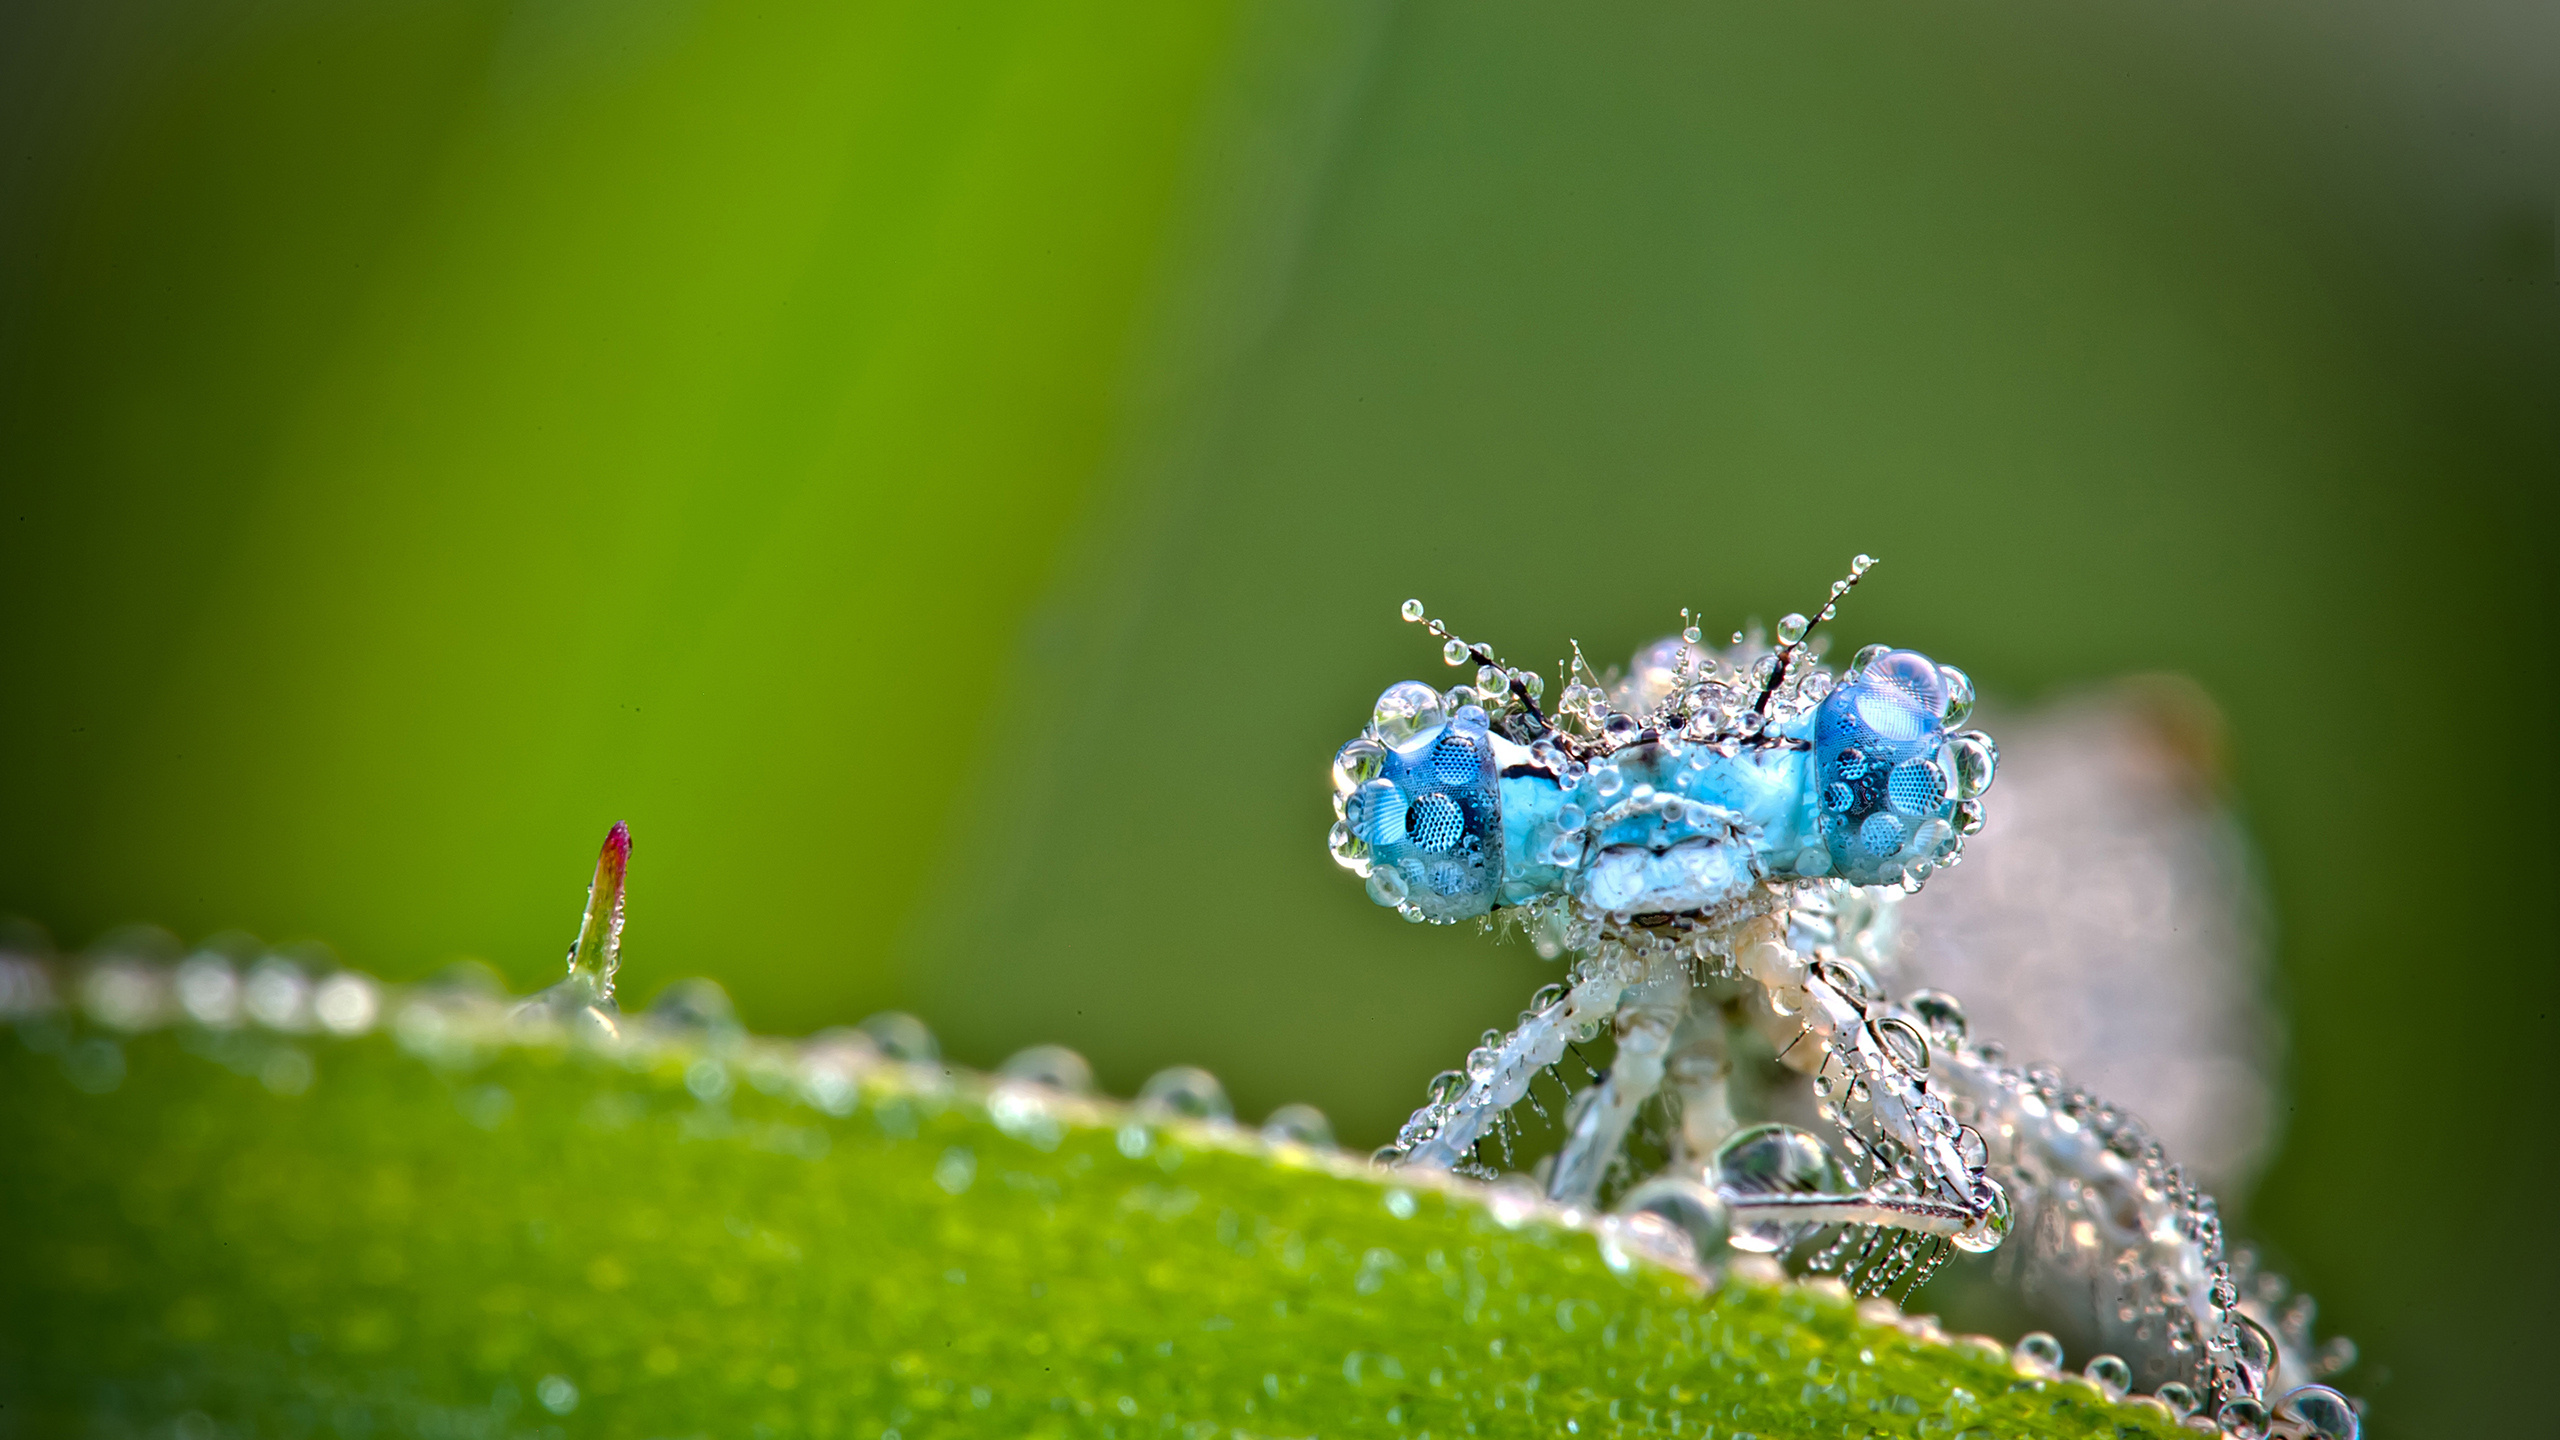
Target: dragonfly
<point>1719,838</point>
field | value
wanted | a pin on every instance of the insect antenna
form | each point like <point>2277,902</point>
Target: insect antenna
<point>1458,652</point>
<point>1790,646</point>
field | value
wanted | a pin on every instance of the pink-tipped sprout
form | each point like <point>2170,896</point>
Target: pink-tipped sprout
<point>598,951</point>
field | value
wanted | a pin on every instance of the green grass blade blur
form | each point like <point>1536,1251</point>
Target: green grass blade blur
<point>282,1238</point>
<point>945,474</point>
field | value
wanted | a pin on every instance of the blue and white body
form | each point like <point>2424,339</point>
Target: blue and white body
<point>1682,811</point>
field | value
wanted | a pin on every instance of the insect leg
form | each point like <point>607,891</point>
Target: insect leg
<point>1442,1134</point>
<point>1697,1077</point>
<point>1597,1126</point>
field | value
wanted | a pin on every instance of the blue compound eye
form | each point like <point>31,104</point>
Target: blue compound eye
<point>1456,759</point>
<point>1916,788</point>
<point>1376,812</point>
<point>1435,823</point>
<point>1882,792</point>
<point>1434,818</point>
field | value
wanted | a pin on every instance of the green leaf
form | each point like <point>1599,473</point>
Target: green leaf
<point>706,1234</point>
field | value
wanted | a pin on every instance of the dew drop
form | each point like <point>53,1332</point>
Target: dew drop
<point>695,1002</point>
<point>277,996</point>
<point>1939,1013</point>
<point>1867,655</point>
<point>2180,1400</point>
<point>1405,710</point>
<point>1455,652</point>
<point>1770,1160</point>
<point>1862,564</point>
<point>556,1394</point>
<point>346,1003</point>
<point>1357,763</point>
<point>1902,1043</point>
<point>2244,1418</point>
<point>1791,629</point>
<point>902,1037</point>
<point>1959,697</point>
<point>1413,611</point>
<point>1053,1067</point>
<point>1976,760</point>
<point>1691,1216</point>
<point>2110,1374</point>
<point>208,991</point>
<point>2322,1411</point>
<point>1299,1125</point>
<point>1387,886</point>
<point>1186,1091</point>
<point>2039,1350</point>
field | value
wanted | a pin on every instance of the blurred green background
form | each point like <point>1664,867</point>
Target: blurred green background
<point>945,474</point>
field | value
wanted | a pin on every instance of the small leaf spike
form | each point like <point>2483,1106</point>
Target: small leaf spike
<point>583,1001</point>
<point>597,954</point>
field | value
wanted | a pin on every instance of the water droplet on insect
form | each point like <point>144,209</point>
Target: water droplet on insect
<point>1187,1091</point>
<point>1387,886</point>
<point>1407,708</point>
<point>1053,1067</point>
<point>1901,1043</point>
<point>1774,1160</point>
<point>1413,611</point>
<point>1357,763</point>
<point>1299,1125</point>
<point>1976,759</point>
<point>902,1037</point>
<point>2244,1418</point>
<point>1969,1148</point>
<point>1939,1013</point>
<point>1791,629</point>
<point>2110,1374</point>
<point>2038,1349</point>
<point>2322,1411</point>
<point>1349,850</point>
<point>2180,1400</point>
<point>1455,652</point>
<point>1692,634</point>
<point>1867,655</point>
<point>1862,564</point>
<point>1959,707</point>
